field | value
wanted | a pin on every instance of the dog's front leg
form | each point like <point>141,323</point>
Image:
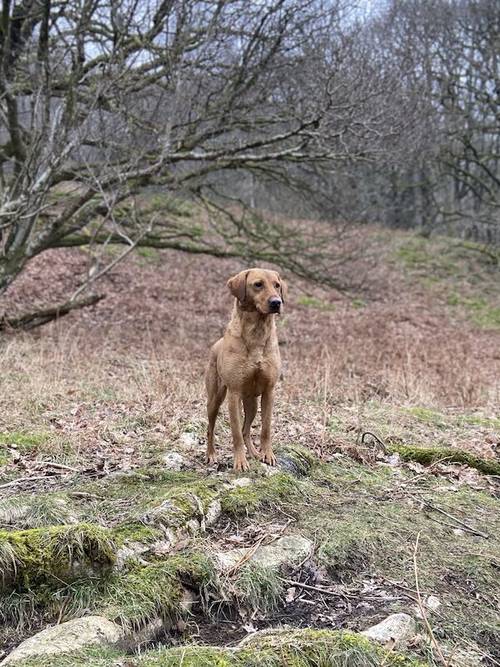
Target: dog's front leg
<point>267,454</point>
<point>240,459</point>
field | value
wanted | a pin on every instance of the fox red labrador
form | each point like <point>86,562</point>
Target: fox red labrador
<point>245,364</point>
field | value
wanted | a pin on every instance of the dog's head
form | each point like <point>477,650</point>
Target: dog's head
<point>259,289</point>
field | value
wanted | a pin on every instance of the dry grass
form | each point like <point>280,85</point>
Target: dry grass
<point>126,377</point>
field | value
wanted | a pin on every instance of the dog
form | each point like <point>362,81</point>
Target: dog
<point>245,364</point>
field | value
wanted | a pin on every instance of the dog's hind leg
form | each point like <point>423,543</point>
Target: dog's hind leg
<point>216,393</point>
<point>213,405</point>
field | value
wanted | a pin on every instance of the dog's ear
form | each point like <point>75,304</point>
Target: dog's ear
<point>283,289</point>
<point>238,286</point>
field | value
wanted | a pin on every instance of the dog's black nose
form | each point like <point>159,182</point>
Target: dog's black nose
<point>274,304</point>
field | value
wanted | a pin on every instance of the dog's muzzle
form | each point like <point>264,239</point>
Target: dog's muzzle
<point>274,304</point>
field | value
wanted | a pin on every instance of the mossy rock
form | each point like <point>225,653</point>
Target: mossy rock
<point>31,557</point>
<point>429,455</point>
<point>291,648</point>
<point>294,648</point>
<point>296,460</point>
<point>268,491</point>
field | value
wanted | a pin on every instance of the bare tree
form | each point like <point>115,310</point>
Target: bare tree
<point>101,99</point>
<point>447,175</point>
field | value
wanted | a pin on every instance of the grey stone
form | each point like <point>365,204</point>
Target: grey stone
<point>396,629</point>
<point>130,551</point>
<point>67,637</point>
<point>287,551</point>
<point>188,439</point>
<point>459,657</point>
<point>174,461</point>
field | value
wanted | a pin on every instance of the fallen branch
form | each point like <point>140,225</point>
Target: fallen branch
<point>461,523</point>
<point>21,480</point>
<point>39,317</point>
<point>61,466</point>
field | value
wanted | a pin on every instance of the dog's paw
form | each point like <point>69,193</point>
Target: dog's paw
<point>253,452</point>
<point>241,463</point>
<point>269,458</point>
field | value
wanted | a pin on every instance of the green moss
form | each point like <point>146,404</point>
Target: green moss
<point>136,532</point>
<point>291,648</point>
<point>246,500</point>
<point>181,504</point>
<point>41,554</point>
<point>313,302</point>
<point>92,656</point>
<point>429,455</point>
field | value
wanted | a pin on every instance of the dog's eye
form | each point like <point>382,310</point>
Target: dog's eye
<point>258,285</point>
<point>277,285</point>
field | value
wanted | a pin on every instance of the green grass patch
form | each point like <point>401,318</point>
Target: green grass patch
<point>476,420</point>
<point>366,521</point>
<point>290,648</point>
<point>22,441</point>
<point>313,302</point>
<point>427,416</point>
<point>34,511</point>
<point>141,594</point>
<point>479,310</point>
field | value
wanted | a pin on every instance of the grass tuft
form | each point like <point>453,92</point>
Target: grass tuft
<point>259,588</point>
<point>23,512</point>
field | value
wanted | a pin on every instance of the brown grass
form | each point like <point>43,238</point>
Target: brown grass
<point>121,379</point>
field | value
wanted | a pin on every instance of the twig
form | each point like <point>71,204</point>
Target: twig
<point>431,506</point>
<point>327,591</point>
<point>84,494</point>
<point>53,464</point>
<point>421,604</point>
<point>20,480</point>
<point>376,438</point>
<point>318,589</point>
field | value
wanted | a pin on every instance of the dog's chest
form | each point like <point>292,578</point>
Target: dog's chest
<point>262,367</point>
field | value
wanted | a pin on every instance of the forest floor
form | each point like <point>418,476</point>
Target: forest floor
<point>91,405</point>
